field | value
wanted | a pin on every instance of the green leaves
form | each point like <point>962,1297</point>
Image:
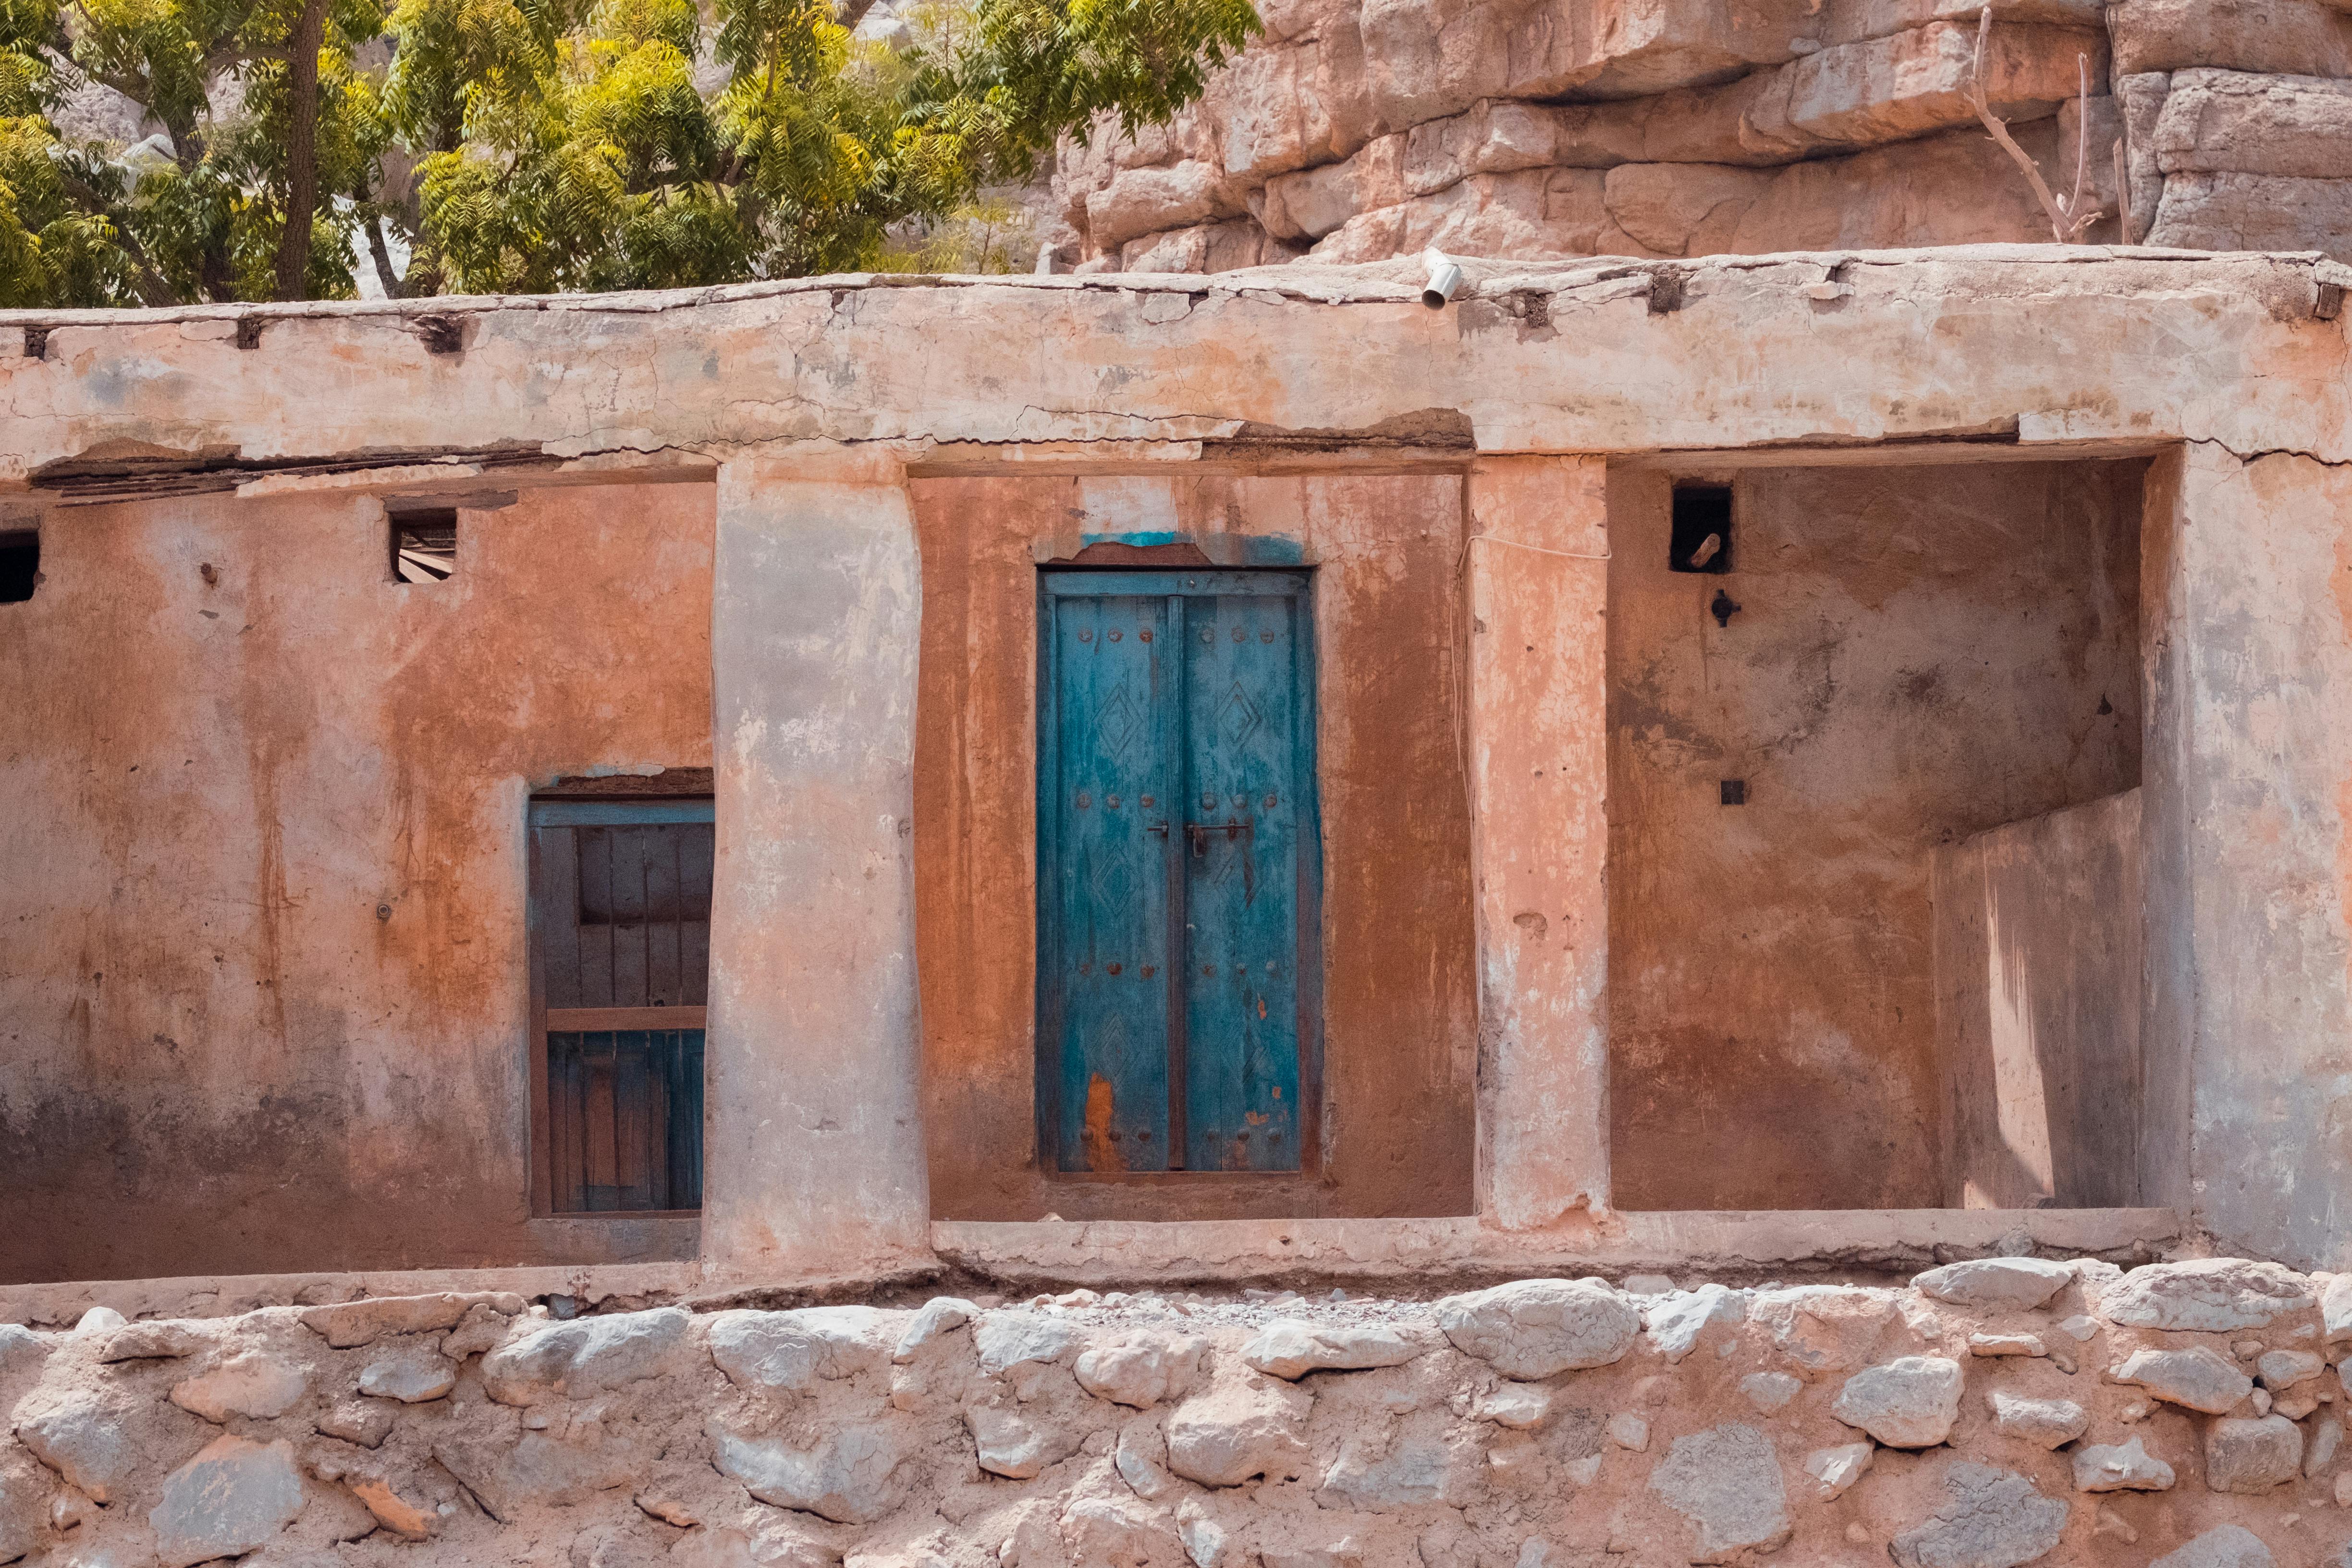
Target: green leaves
<point>542,145</point>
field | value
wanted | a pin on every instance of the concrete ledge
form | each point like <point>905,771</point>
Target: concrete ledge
<point>1441,1253</point>
<point>221,1296</point>
<point>1414,1255</point>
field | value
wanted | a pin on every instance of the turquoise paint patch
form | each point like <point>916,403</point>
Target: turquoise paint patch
<point>1224,549</point>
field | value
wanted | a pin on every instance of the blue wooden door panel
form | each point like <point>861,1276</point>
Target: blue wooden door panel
<point>1178,865</point>
<point>1241,899</point>
<point>1114,731</point>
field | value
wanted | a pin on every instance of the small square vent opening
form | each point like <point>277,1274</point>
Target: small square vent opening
<point>423,545</point>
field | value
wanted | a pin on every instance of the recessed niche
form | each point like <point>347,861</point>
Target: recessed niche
<point>20,565</point>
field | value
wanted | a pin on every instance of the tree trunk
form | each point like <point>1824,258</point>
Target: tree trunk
<point>381,254</point>
<point>301,151</point>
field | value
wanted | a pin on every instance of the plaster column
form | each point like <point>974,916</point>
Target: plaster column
<point>2246,619</point>
<point>1539,759</point>
<point>813,1151</point>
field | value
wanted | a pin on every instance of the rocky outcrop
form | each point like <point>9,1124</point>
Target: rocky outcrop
<point>1537,1422</point>
<point>1358,130</point>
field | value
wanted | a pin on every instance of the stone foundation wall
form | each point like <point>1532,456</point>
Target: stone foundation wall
<point>1995,1412</point>
<point>1358,130</point>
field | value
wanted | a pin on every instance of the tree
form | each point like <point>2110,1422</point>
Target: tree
<point>542,145</point>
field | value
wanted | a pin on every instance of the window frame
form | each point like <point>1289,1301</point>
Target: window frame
<point>591,808</point>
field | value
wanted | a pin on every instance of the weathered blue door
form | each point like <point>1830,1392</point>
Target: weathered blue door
<point>1178,979</point>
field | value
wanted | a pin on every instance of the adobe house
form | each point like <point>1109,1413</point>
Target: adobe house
<point>1809,767</point>
<point>801,779</point>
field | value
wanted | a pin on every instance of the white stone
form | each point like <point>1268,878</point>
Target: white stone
<point>358,1421</point>
<point>2123,1466</point>
<point>1518,1405</point>
<point>2044,1423</point>
<point>1676,1324</point>
<point>1990,1519</point>
<point>1908,1402</point>
<point>412,1379</point>
<point>1288,1348</point>
<point>2079,1328</point>
<point>849,1476</point>
<point>939,1315</point>
<point>2335,1309</point>
<point>1835,1470</point>
<point>2197,1378</point>
<point>97,1320</point>
<point>1205,1540</point>
<point>2243,1456</point>
<point>1647,1285</point>
<point>2206,1295</point>
<point>1535,1327</point>
<point>1381,1471</point>
<point>28,1495</point>
<point>161,1341</point>
<point>255,1384</point>
<point>232,1497</point>
<point>1823,1328</point>
<point>87,1443</point>
<point>2282,1370</point>
<point>348,1324</point>
<point>796,1350</point>
<point>1140,1371</point>
<point>1995,1284</point>
<point>1769,1391</point>
<point>1118,1531</point>
<point>1726,1482</point>
<point>2327,1436</point>
<point>1141,1458</point>
<point>483,1327</point>
<point>1011,1445</point>
<point>1009,1339</point>
<point>2225,1546</point>
<point>2006,1346</point>
<point>1628,1430</point>
<point>586,1356</point>
<point>1237,1430</point>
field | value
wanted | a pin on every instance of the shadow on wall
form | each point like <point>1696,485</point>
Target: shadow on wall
<point>2039,938</point>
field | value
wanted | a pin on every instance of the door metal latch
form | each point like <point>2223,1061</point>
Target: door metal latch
<point>1198,832</point>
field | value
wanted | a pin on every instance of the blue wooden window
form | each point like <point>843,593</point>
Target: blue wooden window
<point>1179,886</point>
<point>620,922</point>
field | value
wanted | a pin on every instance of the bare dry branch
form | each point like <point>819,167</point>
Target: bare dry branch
<point>2123,192</point>
<point>2066,225</point>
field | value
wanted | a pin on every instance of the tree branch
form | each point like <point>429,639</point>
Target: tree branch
<point>152,291</point>
<point>381,254</point>
<point>2066,227</point>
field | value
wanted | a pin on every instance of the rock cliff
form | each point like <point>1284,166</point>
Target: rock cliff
<point>1358,130</point>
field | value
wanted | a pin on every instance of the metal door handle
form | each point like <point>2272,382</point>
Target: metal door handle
<point>1159,828</point>
<point>1198,832</point>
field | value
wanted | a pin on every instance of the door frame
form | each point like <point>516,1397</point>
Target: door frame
<point>1295,583</point>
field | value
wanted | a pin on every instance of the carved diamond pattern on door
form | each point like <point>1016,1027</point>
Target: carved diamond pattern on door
<point>1179,866</point>
<point>1238,717</point>
<point>1116,727</point>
